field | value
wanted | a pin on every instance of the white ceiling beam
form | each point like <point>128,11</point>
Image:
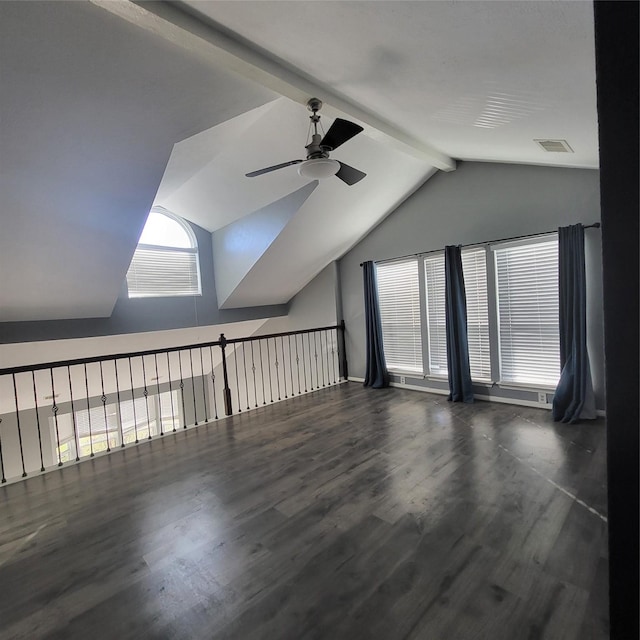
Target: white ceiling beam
<point>218,45</point>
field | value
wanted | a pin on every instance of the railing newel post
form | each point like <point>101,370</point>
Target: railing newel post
<point>343,351</point>
<point>228,408</point>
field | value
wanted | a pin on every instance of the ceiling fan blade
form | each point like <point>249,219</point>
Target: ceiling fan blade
<point>339,132</point>
<point>349,175</point>
<point>259,172</point>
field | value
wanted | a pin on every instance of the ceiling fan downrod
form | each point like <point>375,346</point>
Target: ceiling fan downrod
<point>314,149</point>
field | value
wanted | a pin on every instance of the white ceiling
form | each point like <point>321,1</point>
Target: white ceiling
<point>476,80</point>
<point>94,96</point>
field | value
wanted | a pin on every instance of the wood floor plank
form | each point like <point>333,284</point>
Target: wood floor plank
<point>348,513</point>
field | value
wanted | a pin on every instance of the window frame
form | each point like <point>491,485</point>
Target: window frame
<point>157,249</point>
<point>417,353</point>
<point>550,385</point>
<point>443,374</point>
<point>492,331</point>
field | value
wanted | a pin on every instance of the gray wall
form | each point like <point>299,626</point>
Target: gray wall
<point>317,305</point>
<point>146,314</point>
<point>481,202</point>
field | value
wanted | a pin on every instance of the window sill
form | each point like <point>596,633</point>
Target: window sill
<point>526,386</point>
<point>436,377</point>
<point>482,382</point>
<point>406,374</point>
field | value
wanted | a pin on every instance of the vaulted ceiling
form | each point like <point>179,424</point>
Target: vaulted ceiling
<point>108,107</point>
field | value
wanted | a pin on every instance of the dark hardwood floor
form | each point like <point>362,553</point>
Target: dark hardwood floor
<point>344,514</point>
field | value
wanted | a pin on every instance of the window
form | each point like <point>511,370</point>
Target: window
<point>474,268</point>
<point>136,420</point>
<point>165,262</point>
<point>399,300</point>
<point>527,281</point>
<point>525,348</point>
<point>436,313</point>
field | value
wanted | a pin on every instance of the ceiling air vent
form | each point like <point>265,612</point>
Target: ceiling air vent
<point>555,146</point>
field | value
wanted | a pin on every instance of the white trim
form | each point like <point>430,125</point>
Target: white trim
<point>516,401</point>
<point>526,386</point>
<point>444,392</point>
<point>407,373</point>
<point>411,387</point>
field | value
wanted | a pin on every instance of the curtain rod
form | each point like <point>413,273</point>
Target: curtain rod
<point>595,225</point>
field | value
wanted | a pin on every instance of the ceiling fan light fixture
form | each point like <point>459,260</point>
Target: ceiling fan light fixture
<point>318,168</point>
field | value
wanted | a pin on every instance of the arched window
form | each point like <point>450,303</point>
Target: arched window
<point>166,260</point>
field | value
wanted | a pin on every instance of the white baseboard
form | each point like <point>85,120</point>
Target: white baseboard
<point>444,392</point>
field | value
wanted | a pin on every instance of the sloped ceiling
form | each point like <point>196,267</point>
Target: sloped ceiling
<point>91,108</point>
<point>255,264</point>
<point>475,80</point>
<point>108,107</point>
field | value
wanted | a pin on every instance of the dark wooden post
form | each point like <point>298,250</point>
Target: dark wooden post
<point>343,350</point>
<point>228,409</point>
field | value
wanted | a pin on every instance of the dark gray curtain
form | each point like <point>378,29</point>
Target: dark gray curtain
<point>376,374</point>
<point>460,389</point>
<point>574,398</point>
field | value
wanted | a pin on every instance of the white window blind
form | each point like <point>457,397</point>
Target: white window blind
<point>399,300</point>
<point>436,313</point>
<point>134,414</point>
<point>474,268</point>
<point>165,262</point>
<point>160,271</point>
<point>96,418</point>
<point>527,280</point>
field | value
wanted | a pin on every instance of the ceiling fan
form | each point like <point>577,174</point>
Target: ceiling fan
<point>318,164</point>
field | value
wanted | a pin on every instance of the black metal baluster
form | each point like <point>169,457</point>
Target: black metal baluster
<point>269,370</point>
<point>159,403</point>
<point>295,341</point>
<point>184,409</point>
<point>235,361</point>
<point>308,335</point>
<point>15,395</point>
<point>133,402</point>
<point>4,479</point>
<point>326,355</point>
<point>145,393</point>
<point>333,352</point>
<point>213,383</point>
<point>193,388</point>
<point>293,391</point>
<point>253,369</point>
<point>315,356</point>
<point>103,399</point>
<point>204,390</point>
<point>54,409</point>
<point>304,366</point>
<point>119,409</point>
<point>264,395</point>
<point>86,384</point>
<point>173,413</point>
<point>276,364</point>
<point>244,363</point>
<point>35,400</point>
<point>284,367</point>
<point>322,359</point>
<point>328,342</point>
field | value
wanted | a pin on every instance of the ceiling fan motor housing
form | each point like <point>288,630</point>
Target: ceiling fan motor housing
<point>318,168</point>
